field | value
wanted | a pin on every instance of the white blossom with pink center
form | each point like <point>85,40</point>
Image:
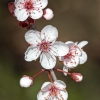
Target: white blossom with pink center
<point>53,91</point>
<point>29,8</point>
<point>75,56</point>
<point>43,44</point>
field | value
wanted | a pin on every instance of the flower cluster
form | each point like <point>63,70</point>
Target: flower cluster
<point>27,11</point>
<point>43,44</point>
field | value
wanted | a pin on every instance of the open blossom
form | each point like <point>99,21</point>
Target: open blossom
<point>53,91</point>
<point>43,44</point>
<point>29,8</point>
<point>26,81</point>
<point>24,24</point>
<point>75,56</point>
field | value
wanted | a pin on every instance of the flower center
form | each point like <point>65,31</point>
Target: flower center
<point>54,94</point>
<point>29,5</point>
<point>44,46</point>
<point>53,91</point>
<point>72,53</point>
<point>68,55</point>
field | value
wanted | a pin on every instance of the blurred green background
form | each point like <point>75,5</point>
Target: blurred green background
<point>76,20</point>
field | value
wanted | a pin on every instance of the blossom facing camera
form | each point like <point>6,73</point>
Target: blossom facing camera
<point>77,77</point>
<point>53,91</point>
<point>26,81</point>
<point>29,8</point>
<point>24,24</point>
<point>48,14</point>
<point>44,44</point>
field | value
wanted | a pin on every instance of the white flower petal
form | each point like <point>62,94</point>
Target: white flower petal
<point>65,69</point>
<point>61,58</point>
<point>83,58</point>
<point>82,44</point>
<point>42,96</point>
<point>32,53</point>
<point>17,3</point>
<point>45,84</point>
<point>45,87</point>
<point>33,37</point>
<point>43,3</point>
<point>36,14</point>
<point>21,14</point>
<point>74,47</point>
<point>68,42</point>
<point>76,43</point>
<point>49,33</point>
<point>78,51</point>
<point>64,95</point>
<point>48,61</point>
<point>60,84</point>
<point>71,62</point>
<point>59,49</point>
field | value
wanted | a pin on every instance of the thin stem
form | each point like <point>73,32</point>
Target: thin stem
<point>62,71</point>
<point>50,77</point>
<point>42,70</point>
<point>53,75</point>
<point>33,27</point>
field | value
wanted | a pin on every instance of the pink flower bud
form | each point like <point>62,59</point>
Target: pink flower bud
<point>26,24</point>
<point>48,14</point>
<point>77,77</point>
<point>26,81</point>
<point>11,8</point>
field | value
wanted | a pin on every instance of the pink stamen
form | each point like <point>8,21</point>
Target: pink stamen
<point>53,91</point>
<point>44,46</point>
<point>29,5</point>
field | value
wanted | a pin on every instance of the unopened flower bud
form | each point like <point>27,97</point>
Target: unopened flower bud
<point>11,8</point>
<point>26,81</point>
<point>77,77</point>
<point>48,14</point>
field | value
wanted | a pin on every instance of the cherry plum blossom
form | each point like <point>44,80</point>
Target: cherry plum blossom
<point>44,44</point>
<point>29,8</point>
<point>76,55</point>
<point>53,91</point>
